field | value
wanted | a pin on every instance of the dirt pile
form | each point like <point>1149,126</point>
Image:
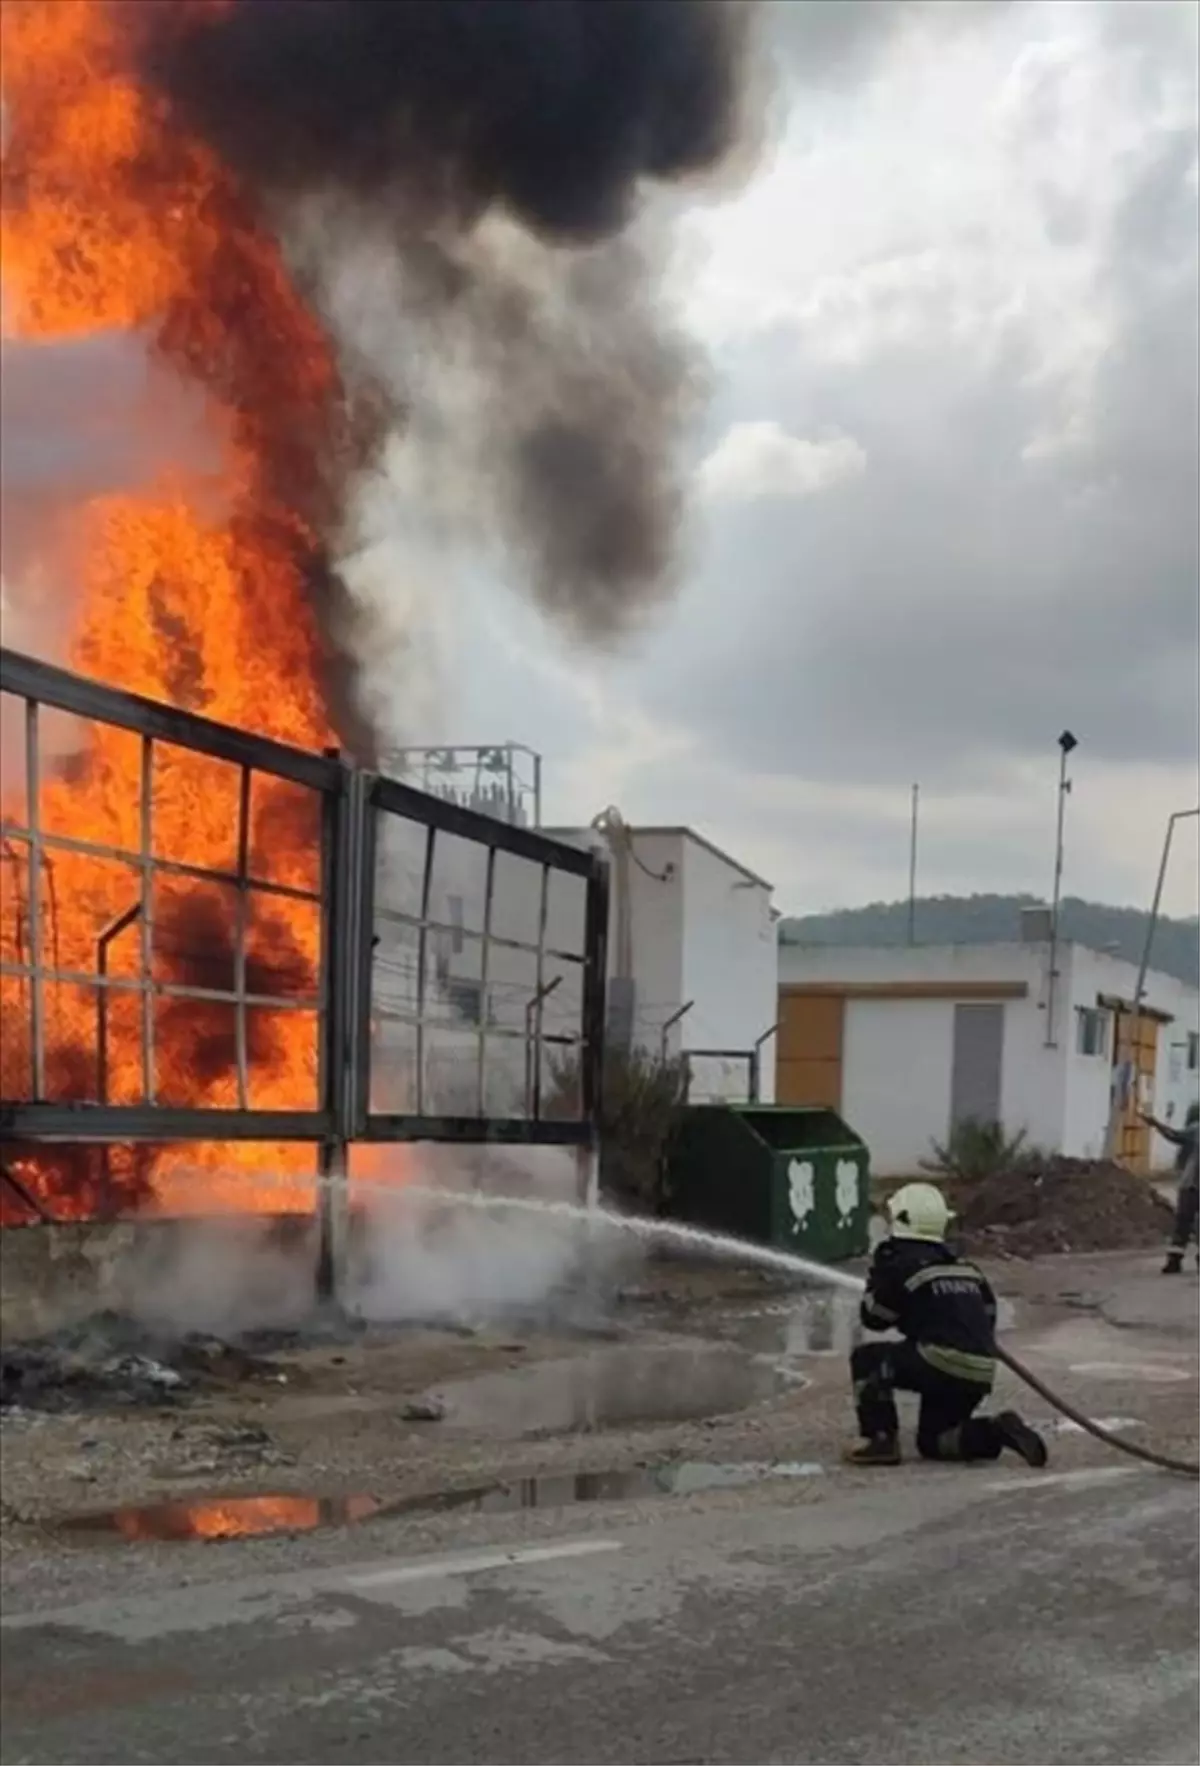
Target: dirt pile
<point>1058,1205</point>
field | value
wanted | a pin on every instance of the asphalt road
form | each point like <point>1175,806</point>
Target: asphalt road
<point>932,1615</point>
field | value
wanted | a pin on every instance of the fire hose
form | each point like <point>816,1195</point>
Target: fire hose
<point>1165,1460</point>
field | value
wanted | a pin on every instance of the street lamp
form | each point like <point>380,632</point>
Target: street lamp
<point>1067,743</point>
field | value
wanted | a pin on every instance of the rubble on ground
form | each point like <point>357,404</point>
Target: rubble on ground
<point>112,1359</point>
<point>1056,1205</point>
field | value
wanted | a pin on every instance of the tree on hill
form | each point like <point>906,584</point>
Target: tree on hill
<point>996,919</point>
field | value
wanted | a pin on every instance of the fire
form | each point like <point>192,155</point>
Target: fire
<point>115,220</point>
<point>240,1516</point>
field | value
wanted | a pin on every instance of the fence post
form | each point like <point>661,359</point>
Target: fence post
<point>332,1221</point>
<point>344,933</point>
<point>669,1025</point>
<point>756,1060</point>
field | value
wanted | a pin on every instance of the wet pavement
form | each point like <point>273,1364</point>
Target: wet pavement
<point>783,1632</point>
<point>611,1387</point>
<point>236,1516</point>
<point>786,1330</point>
<point>476,1597</point>
<point>818,1324</point>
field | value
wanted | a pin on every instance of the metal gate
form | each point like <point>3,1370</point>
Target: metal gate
<point>209,936</point>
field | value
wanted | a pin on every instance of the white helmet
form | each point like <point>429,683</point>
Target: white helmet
<point>919,1211</point>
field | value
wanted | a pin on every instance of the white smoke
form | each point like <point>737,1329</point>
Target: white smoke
<point>414,1255</point>
<point>219,1277</point>
<point>81,419</point>
<point>427,1258</point>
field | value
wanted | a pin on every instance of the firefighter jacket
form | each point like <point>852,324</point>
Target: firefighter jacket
<point>938,1302</point>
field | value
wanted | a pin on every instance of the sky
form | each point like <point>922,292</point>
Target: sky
<point>943,505</point>
<point>942,498</point>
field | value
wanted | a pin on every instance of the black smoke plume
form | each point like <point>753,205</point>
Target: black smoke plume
<point>556,108</point>
<point>486,161</point>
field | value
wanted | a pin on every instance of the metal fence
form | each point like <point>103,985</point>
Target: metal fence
<point>727,1075</point>
<point>207,935</point>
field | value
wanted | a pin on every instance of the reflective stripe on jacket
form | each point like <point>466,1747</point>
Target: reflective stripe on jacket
<point>941,1303</point>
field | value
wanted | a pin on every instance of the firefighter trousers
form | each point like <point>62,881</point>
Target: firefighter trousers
<point>1187,1205</point>
<point>947,1427</point>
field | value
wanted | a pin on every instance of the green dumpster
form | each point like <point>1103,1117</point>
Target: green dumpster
<point>796,1178</point>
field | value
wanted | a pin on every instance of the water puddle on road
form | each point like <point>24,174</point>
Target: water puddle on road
<point>819,1324</point>
<point>610,1387</point>
<point>244,1517</point>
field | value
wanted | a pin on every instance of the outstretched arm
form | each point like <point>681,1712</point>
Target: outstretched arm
<point>1178,1137</point>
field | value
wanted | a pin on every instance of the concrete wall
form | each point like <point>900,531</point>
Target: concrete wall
<point>55,1275</point>
<point>1088,1086</point>
<point>897,1054</point>
<point>1033,1085</point>
<point>700,930</point>
<point>218,1274</point>
<point>939,963</point>
<point>730,970</point>
<point>656,882</point>
<point>1087,975</point>
<point>896,1077</point>
<point>897,1064</point>
<point>1178,1083</point>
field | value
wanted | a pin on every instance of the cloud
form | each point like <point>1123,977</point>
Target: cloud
<point>990,284</point>
<point>837,42</point>
<point>755,460</point>
<point>974,253</point>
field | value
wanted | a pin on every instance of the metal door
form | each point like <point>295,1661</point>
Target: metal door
<point>978,1063</point>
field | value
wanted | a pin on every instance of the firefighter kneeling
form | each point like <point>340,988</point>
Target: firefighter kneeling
<point>945,1312</point>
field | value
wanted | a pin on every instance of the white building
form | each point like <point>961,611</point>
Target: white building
<point>692,965</point>
<point>692,954</point>
<point>907,1041</point>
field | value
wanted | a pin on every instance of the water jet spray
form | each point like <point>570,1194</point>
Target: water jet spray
<point>725,1245</point>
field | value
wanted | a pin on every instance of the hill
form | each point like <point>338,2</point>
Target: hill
<point>996,919</point>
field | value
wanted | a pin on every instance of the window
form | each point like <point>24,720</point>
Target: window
<point>1193,1051</point>
<point>465,999</point>
<point>1091,1031</point>
<point>455,905</point>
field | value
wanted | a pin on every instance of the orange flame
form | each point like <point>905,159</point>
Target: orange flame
<point>240,1516</point>
<point>113,219</point>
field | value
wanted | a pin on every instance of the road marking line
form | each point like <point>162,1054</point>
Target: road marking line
<point>1085,1475</point>
<point>468,1564</point>
<point>1155,1373</point>
<point>1115,1425</point>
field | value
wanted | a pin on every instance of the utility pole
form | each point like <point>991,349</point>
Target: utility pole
<point>1125,1070</point>
<point>912,869</point>
<point>1066,743</point>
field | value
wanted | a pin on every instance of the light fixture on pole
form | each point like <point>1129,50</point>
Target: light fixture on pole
<point>1067,743</point>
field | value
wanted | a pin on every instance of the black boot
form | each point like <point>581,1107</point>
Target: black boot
<point>880,1450</point>
<point>1021,1439</point>
<point>1174,1263</point>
